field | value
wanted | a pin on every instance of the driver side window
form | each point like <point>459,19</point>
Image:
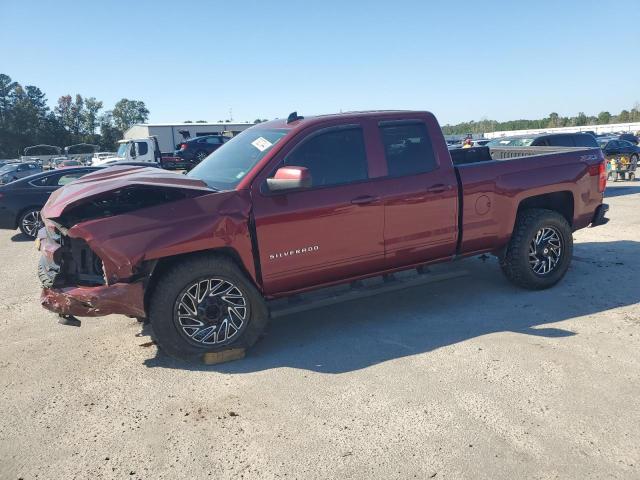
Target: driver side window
<point>335,157</point>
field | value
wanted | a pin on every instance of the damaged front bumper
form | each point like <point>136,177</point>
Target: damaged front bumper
<point>62,296</point>
<point>120,298</point>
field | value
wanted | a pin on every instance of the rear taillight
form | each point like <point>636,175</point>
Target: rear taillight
<point>602,176</point>
<point>601,171</point>
<point>183,146</point>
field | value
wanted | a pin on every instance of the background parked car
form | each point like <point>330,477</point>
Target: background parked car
<point>21,201</point>
<point>8,162</point>
<point>622,158</point>
<point>547,140</point>
<point>14,171</point>
<point>99,156</point>
<point>629,137</point>
<point>613,146</point>
<point>69,163</point>
<point>194,150</point>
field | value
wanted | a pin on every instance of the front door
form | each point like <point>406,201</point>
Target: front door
<point>330,231</point>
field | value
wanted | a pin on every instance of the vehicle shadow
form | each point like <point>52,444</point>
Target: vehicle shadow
<point>361,333</point>
<point>614,190</point>
<point>21,237</point>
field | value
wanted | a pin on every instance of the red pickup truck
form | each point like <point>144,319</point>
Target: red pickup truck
<point>298,204</point>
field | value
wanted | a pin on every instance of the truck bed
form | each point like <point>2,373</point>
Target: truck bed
<point>463,156</point>
<point>494,182</point>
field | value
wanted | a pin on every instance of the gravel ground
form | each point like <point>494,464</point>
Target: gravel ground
<point>468,378</point>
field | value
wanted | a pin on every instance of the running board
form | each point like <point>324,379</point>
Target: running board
<point>358,289</point>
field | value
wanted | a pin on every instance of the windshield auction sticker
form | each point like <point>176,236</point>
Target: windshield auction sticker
<point>261,143</point>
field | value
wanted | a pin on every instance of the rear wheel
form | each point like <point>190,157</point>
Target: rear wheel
<point>201,155</point>
<point>205,304</point>
<point>540,249</point>
<point>30,222</point>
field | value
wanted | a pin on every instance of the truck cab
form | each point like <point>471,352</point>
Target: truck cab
<point>290,206</point>
<point>133,150</point>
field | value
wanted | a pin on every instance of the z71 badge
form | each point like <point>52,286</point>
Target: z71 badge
<point>291,253</point>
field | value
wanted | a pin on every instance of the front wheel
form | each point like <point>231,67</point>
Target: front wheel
<point>540,250</point>
<point>30,222</point>
<point>205,304</point>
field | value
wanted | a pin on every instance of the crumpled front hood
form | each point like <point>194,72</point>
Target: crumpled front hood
<point>113,179</point>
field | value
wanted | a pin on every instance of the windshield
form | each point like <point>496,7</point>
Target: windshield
<point>122,150</point>
<point>510,142</point>
<point>225,167</point>
<point>7,168</point>
<point>602,142</point>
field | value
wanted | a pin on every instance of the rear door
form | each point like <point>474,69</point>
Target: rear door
<point>420,200</point>
<point>330,231</point>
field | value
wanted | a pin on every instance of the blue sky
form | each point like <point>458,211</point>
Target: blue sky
<point>461,60</point>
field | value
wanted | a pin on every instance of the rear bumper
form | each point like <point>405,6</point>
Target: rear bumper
<point>599,216</point>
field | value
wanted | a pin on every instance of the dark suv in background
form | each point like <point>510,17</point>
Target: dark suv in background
<point>194,150</point>
<point>547,140</point>
<point>629,137</point>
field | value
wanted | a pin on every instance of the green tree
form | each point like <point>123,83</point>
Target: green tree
<point>127,113</point>
<point>64,111</point>
<point>634,115</point>
<point>109,133</point>
<point>77,112</point>
<point>90,115</point>
<point>624,116</point>
<point>554,120</point>
<point>604,118</point>
<point>7,86</point>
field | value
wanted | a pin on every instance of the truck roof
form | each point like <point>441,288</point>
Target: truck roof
<point>306,121</point>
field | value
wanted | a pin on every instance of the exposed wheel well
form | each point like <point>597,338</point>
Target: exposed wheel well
<point>561,202</point>
<point>156,268</point>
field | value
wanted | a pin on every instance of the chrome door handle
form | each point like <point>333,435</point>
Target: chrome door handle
<point>439,188</point>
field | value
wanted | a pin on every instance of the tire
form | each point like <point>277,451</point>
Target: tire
<point>525,267</point>
<point>30,222</point>
<point>201,155</point>
<point>176,331</point>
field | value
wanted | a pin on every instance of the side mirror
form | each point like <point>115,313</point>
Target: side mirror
<point>289,178</point>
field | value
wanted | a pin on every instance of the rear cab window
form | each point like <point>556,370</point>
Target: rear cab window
<point>408,148</point>
<point>586,140</point>
<point>561,141</point>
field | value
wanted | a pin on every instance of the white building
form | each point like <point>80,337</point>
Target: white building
<point>171,134</point>
<point>609,128</point>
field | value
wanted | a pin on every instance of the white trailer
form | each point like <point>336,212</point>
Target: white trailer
<point>169,135</point>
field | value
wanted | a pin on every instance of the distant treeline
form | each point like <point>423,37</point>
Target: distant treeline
<point>26,119</point>
<point>552,121</point>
